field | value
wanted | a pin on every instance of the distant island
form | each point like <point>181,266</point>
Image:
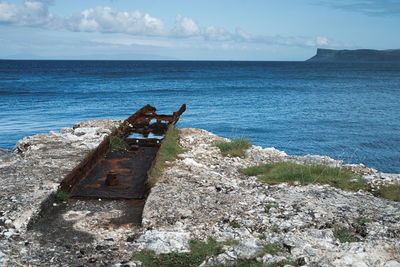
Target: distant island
<point>359,55</point>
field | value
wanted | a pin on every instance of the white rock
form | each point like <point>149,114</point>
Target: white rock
<point>192,162</point>
<point>392,263</point>
<point>2,259</point>
<point>247,248</point>
<point>165,242</point>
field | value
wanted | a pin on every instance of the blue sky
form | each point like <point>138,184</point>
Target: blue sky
<point>194,30</point>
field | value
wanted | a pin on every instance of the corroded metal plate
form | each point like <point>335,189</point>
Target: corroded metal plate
<point>130,169</point>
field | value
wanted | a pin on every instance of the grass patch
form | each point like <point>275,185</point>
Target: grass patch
<point>273,249</point>
<point>168,151</point>
<point>199,251</point>
<point>391,192</point>
<point>345,235</point>
<point>61,196</point>
<point>280,172</point>
<point>363,221</point>
<point>262,236</point>
<point>236,147</point>
<point>255,263</point>
<point>117,143</point>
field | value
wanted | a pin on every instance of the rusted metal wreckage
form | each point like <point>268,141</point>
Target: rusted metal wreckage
<point>108,173</point>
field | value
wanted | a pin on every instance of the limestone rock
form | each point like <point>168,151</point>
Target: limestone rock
<point>201,194</point>
<point>165,241</point>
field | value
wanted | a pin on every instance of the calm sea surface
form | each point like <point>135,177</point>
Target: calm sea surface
<point>346,111</point>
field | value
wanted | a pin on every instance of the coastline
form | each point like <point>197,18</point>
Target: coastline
<point>199,195</point>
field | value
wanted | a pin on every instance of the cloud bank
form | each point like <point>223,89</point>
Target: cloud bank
<point>34,13</point>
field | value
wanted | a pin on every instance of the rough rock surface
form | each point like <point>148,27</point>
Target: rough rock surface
<point>77,232</point>
<point>204,195</point>
<point>200,195</point>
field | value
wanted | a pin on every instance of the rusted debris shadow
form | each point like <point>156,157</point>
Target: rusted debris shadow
<point>112,172</point>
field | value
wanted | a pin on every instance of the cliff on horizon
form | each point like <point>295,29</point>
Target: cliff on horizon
<point>360,55</point>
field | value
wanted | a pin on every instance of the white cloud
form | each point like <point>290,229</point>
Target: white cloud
<point>214,33</point>
<point>30,13</point>
<point>323,41</point>
<point>8,12</point>
<point>35,13</point>
<point>109,20</point>
<point>242,34</point>
<point>319,41</point>
<point>186,27</point>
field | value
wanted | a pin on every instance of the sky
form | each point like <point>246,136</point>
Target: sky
<point>194,30</point>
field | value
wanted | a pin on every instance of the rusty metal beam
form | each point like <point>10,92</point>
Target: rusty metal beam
<point>122,174</point>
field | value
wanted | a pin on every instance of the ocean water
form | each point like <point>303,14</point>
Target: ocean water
<point>347,111</point>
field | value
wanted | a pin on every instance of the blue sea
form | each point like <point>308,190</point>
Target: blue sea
<point>346,111</point>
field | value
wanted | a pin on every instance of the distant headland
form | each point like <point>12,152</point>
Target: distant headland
<point>359,55</point>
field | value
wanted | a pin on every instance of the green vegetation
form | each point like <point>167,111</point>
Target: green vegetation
<point>255,263</point>
<point>236,147</point>
<point>273,249</point>
<point>199,251</point>
<point>168,151</point>
<point>345,235</point>
<point>280,172</point>
<point>363,221</point>
<point>391,192</point>
<point>117,143</point>
<point>262,236</point>
<point>61,196</point>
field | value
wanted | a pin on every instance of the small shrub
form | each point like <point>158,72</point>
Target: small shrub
<point>168,151</point>
<point>236,147</point>
<point>391,192</point>
<point>61,196</point>
<point>345,235</point>
<point>280,172</point>
<point>117,143</point>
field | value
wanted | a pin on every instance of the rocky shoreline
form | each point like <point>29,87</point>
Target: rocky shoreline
<point>200,195</point>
